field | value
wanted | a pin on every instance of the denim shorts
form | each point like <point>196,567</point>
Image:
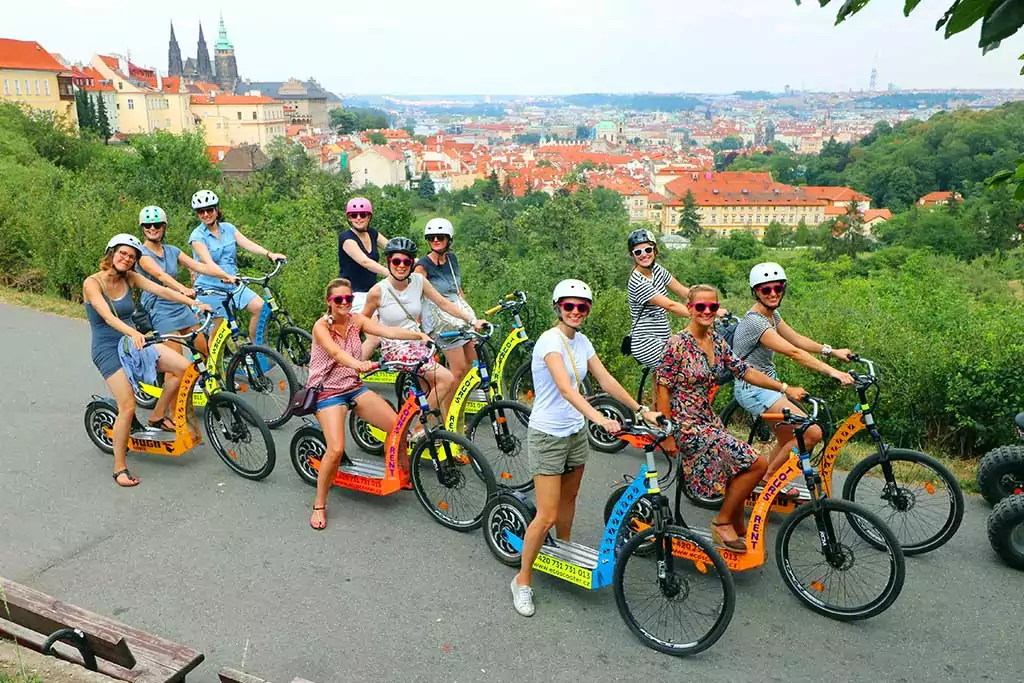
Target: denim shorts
<point>347,398</point>
<point>240,300</point>
<point>755,400</point>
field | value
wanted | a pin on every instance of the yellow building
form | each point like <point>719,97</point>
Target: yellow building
<point>234,120</point>
<point>146,102</point>
<point>30,74</point>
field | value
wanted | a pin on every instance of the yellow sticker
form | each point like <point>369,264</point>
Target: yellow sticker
<point>565,571</point>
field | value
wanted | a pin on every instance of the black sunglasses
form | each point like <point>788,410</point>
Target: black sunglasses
<point>150,226</point>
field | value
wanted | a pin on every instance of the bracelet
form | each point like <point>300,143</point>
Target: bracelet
<point>643,409</point>
<point>826,350</point>
<point>784,387</point>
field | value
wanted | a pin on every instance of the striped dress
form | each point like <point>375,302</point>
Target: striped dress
<point>650,323</point>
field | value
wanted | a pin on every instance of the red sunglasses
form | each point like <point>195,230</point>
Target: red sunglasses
<point>398,261</point>
<point>342,299</point>
<point>771,289</point>
<point>569,307</point>
<point>360,214</point>
<point>701,306</point>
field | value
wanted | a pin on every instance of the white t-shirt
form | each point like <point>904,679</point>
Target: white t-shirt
<point>551,413</point>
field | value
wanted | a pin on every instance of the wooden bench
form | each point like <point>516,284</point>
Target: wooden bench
<point>227,675</point>
<point>120,651</point>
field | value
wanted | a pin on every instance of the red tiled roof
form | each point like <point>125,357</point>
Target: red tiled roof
<point>388,153</point>
<point>111,62</point>
<point>932,197</point>
<point>171,84</point>
<point>872,214</point>
<point>100,83</point>
<point>213,153</point>
<point>26,54</point>
<point>231,99</point>
<point>835,194</point>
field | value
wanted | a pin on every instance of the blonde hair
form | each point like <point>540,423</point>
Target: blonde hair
<point>698,289</point>
<point>331,286</point>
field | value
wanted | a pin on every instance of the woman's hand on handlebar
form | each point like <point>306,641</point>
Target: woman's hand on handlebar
<point>365,366</point>
<point>274,256</point>
<point>138,339</point>
<point>611,426</point>
<point>202,306</point>
<point>796,393</point>
<point>230,279</point>
<point>843,354</point>
<point>652,418</point>
<point>479,324</point>
<point>424,337</point>
<point>844,377</point>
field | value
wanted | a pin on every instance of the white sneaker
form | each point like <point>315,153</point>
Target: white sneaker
<point>522,598</point>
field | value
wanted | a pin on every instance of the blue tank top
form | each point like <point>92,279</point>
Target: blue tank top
<point>361,278</point>
<point>105,337</point>
<point>169,262</point>
<point>445,278</point>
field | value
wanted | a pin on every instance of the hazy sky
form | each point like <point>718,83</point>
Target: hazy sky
<point>537,46</point>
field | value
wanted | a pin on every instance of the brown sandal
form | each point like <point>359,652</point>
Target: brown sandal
<point>166,424</point>
<point>323,515</point>
<point>738,545</point>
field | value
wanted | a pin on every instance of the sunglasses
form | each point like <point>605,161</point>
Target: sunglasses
<point>398,261</point>
<point>701,307</point>
<point>643,252</point>
<point>360,214</point>
<point>208,209</point>
<point>771,289</point>
<point>153,226</point>
<point>569,307</point>
<point>342,299</point>
<point>437,238</point>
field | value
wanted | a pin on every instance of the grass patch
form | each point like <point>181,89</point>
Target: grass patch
<point>19,678</point>
<point>41,302</point>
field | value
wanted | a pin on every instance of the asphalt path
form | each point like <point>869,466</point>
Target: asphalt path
<point>231,568</point>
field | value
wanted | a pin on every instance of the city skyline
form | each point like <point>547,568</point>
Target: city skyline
<point>537,48</point>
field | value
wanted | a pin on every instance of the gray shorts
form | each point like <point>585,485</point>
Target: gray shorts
<point>552,455</point>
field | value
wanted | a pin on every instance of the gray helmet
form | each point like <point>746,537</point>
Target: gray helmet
<point>400,245</point>
<point>640,236</point>
<point>125,240</point>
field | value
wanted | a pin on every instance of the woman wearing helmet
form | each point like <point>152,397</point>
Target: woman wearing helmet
<point>761,334</point>
<point>441,268</point>
<point>398,302</point>
<point>215,243</point>
<point>159,263</point>
<point>358,258</point>
<point>557,437</point>
<point>109,305</point>
<point>647,293</point>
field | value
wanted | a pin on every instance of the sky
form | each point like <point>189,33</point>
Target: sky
<point>538,47</point>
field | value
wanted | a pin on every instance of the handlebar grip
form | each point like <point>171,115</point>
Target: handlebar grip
<point>662,421</point>
<point>492,311</point>
<point>450,335</point>
<point>772,416</point>
<point>854,358</point>
<point>509,297</point>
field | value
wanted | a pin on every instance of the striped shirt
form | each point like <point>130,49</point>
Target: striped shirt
<point>746,343</point>
<point>649,322</point>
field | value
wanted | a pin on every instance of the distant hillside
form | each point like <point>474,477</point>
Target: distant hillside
<point>915,100</point>
<point>635,102</point>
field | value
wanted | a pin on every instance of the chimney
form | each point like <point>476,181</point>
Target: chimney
<point>159,81</point>
<point>210,97</point>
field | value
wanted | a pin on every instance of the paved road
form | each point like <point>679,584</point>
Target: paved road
<point>231,567</point>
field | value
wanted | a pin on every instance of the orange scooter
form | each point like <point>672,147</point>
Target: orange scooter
<point>452,480</point>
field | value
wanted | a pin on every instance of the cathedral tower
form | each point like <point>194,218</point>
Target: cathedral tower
<point>204,70</point>
<point>174,67</point>
<point>224,56</point>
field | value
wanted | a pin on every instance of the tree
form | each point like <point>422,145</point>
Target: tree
<point>507,193</point>
<point>846,235</point>
<point>102,120</point>
<point>999,19</point>
<point>689,217</point>
<point>740,245</point>
<point>777,235</point>
<point>81,109</point>
<point>93,116</point>
<point>803,235</point>
<point>492,189</point>
<point>410,126</point>
<point>377,138</point>
<point>427,190</point>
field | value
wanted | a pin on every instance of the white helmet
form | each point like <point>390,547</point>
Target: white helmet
<point>204,199</point>
<point>571,288</point>
<point>152,214</point>
<point>439,226</point>
<point>766,272</point>
<point>126,240</point>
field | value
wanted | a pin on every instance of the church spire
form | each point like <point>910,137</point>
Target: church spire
<point>174,67</point>
<point>204,69</point>
<point>222,37</point>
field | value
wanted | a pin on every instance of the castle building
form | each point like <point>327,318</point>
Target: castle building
<point>223,72</point>
<point>224,59</point>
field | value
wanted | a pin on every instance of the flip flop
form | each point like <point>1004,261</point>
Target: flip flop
<point>131,478</point>
<point>323,512</point>
<point>166,424</point>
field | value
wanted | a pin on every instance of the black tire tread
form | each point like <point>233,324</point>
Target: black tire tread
<point>254,423</point>
<point>517,408</point>
<point>280,361</point>
<point>479,462</point>
<point>996,464</point>
<point>1007,514</point>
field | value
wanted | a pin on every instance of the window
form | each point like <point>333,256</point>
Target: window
<point>131,103</point>
<point>46,87</point>
<point>17,87</point>
<point>254,116</point>
<point>37,86</point>
<point>7,86</point>
<point>239,116</point>
<point>27,90</point>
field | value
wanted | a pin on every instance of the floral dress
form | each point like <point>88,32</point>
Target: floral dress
<point>710,456</point>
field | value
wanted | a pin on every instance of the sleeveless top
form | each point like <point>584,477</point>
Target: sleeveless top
<point>441,276</point>
<point>361,278</point>
<point>336,377</point>
<point>223,251</point>
<point>105,337</point>
<point>169,262</point>
<point>391,314</point>
<point>652,327</point>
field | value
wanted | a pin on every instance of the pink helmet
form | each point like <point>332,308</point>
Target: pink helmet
<point>359,204</point>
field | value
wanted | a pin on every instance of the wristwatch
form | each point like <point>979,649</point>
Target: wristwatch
<point>826,350</point>
<point>784,387</point>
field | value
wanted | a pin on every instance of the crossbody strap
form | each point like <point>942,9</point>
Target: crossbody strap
<point>455,279</point>
<point>103,291</point>
<point>572,361</point>
<point>394,295</point>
